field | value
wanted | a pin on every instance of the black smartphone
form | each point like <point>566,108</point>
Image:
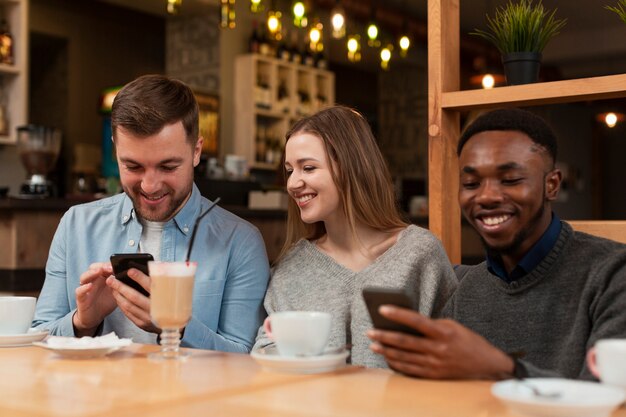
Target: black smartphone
<point>377,296</point>
<point>122,262</point>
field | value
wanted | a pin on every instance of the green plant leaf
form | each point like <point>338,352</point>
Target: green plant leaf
<point>522,26</point>
<point>619,9</point>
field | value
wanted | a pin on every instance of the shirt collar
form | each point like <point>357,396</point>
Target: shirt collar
<point>532,258</point>
<point>184,219</point>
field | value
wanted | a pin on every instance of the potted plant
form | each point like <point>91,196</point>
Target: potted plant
<point>521,30</point>
<point>620,9</point>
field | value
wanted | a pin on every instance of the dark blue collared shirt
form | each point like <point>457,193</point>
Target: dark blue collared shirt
<point>535,255</point>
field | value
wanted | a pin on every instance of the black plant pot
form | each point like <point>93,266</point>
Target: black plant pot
<point>521,67</point>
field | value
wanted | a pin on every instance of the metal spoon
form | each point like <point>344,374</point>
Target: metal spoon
<point>538,392</point>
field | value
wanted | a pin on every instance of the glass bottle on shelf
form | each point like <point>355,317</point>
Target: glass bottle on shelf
<point>307,56</point>
<point>283,97</point>
<point>282,50</point>
<point>262,93</point>
<point>320,60</point>
<point>264,42</point>
<point>255,39</point>
<point>6,44</point>
<point>260,143</point>
<point>296,56</point>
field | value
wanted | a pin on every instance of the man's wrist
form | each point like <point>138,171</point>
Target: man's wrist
<point>80,330</point>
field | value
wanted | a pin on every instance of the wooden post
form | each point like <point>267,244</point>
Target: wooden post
<point>443,125</point>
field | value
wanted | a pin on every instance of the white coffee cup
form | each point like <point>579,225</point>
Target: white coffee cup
<point>299,333</point>
<point>607,361</point>
<point>16,314</point>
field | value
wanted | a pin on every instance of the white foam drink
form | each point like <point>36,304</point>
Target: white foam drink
<point>171,293</point>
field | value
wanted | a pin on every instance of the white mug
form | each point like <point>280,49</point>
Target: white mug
<point>16,314</point>
<point>607,361</point>
<point>299,333</point>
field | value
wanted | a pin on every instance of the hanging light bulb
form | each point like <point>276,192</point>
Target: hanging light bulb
<point>385,57</point>
<point>173,6</point>
<point>354,48</point>
<point>404,43</point>
<point>338,20</point>
<point>315,35</point>
<point>372,35</point>
<point>299,15</point>
<point>227,14</point>
<point>256,6</point>
<point>274,24</point>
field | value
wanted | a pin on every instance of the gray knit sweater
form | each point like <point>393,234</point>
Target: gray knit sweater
<point>308,279</point>
<point>574,297</point>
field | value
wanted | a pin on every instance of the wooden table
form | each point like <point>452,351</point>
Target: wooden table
<point>37,382</point>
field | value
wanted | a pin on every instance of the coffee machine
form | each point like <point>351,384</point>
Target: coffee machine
<point>39,148</point>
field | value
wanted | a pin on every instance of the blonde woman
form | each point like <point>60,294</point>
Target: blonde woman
<point>344,232</point>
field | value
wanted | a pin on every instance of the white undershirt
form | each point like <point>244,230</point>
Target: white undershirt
<point>150,241</point>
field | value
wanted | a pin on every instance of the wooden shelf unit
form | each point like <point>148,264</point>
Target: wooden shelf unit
<point>275,119</point>
<point>445,101</point>
<point>14,78</point>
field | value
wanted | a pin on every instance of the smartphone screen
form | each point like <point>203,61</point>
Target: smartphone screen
<point>377,296</point>
<point>122,262</point>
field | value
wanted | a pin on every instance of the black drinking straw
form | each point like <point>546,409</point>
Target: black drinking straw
<point>195,227</point>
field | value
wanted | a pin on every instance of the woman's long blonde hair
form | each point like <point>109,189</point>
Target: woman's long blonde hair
<point>359,173</point>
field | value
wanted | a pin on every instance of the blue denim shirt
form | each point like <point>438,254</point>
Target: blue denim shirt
<point>230,281</point>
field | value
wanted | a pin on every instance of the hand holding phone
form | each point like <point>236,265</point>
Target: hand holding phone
<point>122,262</point>
<point>377,296</point>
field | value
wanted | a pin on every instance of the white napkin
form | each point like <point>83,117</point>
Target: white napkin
<point>87,342</point>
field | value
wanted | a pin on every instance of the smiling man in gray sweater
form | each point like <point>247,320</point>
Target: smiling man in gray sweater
<point>545,293</point>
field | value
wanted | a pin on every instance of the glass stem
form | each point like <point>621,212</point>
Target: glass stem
<point>170,342</point>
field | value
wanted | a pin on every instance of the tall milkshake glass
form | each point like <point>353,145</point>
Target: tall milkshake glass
<point>171,294</point>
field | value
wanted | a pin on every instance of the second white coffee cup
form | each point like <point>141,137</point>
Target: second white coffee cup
<point>300,333</point>
<point>607,361</point>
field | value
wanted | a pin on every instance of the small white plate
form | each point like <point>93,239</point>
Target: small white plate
<point>577,399</point>
<point>84,352</point>
<point>270,359</point>
<point>24,339</point>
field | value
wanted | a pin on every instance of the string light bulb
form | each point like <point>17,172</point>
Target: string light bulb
<point>227,14</point>
<point>385,57</point>
<point>354,48</point>
<point>372,35</point>
<point>299,15</point>
<point>405,44</point>
<point>488,81</point>
<point>274,24</point>
<point>338,20</point>
<point>173,6</point>
<point>315,36</point>
<point>256,6</point>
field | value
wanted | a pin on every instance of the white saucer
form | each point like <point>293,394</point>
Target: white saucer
<point>84,352</point>
<point>577,399</point>
<point>23,339</point>
<point>270,360</point>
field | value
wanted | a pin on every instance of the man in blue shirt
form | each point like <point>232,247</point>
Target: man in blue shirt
<point>545,294</point>
<point>155,131</point>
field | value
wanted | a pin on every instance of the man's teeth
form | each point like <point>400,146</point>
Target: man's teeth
<point>493,221</point>
<point>304,198</point>
<point>153,198</point>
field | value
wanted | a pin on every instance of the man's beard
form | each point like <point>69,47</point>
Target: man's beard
<point>155,216</point>
<point>518,239</point>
